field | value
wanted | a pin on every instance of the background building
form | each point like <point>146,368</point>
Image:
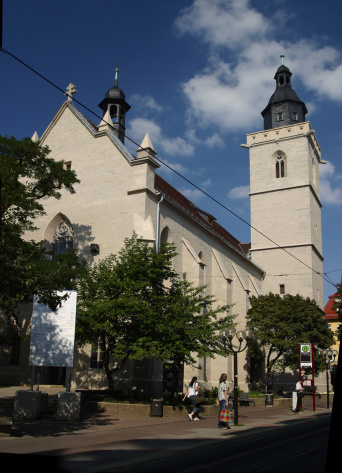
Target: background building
<point>333,319</point>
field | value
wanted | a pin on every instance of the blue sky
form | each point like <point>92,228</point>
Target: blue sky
<point>197,74</point>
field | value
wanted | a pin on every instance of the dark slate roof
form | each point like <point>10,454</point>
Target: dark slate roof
<point>115,93</point>
<point>202,217</point>
<point>281,69</point>
<point>285,93</point>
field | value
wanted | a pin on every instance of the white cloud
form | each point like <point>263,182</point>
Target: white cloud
<point>326,170</point>
<point>145,102</point>
<point>171,146</point>
<point>228,23</point>
<point>331,192</point>
<point>239,192</point>
<point>319,68</point>
<point>169,167</point>
<point>192,194</point>
<point>243,55</point>
<point>331,195</point>
<point>214,141</point>
<point>195,193</point>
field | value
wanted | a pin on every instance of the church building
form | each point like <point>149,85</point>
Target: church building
<point>121,193</point>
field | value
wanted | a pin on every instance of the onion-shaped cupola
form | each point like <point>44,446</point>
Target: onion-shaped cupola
<point>115,104</point>
<point>284,107</point>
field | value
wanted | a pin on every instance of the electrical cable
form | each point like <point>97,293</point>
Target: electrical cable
<point>168,166</point>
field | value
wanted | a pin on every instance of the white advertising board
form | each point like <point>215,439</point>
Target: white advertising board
<point>53,333</point>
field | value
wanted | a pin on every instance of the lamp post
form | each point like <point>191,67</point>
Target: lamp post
<point>227,337</point>
<point>330,356</point>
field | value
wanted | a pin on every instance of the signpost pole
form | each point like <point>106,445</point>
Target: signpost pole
<point>67,380</point>
<point>313,379</point>
<point>38,379</point>
<point>32,378</point>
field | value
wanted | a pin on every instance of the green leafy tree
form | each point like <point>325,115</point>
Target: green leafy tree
<point>136,307</point>
<point>338,301</point>
<point>281,323</point>
<point>28,177</point>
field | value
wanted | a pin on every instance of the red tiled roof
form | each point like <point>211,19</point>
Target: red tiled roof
<point>330,312</point>
<point>204,218</point>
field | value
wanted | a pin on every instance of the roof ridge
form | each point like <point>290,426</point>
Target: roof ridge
<point>180,199</point>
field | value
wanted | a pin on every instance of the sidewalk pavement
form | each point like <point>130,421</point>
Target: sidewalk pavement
<point>102,442</point>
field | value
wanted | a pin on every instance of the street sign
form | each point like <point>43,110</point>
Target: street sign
<point>305,354</point>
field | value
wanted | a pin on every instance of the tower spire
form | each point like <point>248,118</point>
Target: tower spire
<point>115,104</point>
<point>284,107</point>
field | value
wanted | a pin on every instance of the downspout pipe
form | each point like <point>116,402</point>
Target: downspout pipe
<point>157,250</point>
<point>158,221</point>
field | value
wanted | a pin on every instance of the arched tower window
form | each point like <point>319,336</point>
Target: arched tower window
<point>280,164</point>
<point>63,238</point>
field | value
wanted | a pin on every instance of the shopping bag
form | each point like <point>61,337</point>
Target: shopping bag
<point>225,416</point>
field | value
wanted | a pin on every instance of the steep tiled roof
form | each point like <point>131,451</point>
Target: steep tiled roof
<point>330,312</point>
<point>202,217</point>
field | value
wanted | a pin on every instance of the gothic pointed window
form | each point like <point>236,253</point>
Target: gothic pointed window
<point>280,167</point>
<point>63,239</point>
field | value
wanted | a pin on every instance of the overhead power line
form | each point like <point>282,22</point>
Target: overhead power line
<point>168,166</point>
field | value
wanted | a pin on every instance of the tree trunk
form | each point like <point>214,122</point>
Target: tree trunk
<point>108,371</point>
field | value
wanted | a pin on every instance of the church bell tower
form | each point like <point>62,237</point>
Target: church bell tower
<point>116,106</point>
<point>286,235</point>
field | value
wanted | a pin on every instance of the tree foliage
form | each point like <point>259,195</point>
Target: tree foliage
<point>338,301</point>
<point>136,307</point>
<point>281,323</point>
<point>28,177</point>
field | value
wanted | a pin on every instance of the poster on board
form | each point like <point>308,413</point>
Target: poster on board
<point>53,333</point>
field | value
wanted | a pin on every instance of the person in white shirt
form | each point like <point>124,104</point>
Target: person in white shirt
<point>191,393</point>
<point>300,394</point>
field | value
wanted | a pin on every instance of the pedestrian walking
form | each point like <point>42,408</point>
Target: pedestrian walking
<point>223,401</point>
<point>300,394</point>
<point>191,393</point>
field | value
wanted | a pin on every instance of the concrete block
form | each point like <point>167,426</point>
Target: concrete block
<point>68,406</point>
<point>43,403</point>
<point>5,427</point>
<point>27,404</point>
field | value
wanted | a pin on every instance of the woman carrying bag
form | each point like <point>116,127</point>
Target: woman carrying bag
<point>191,394</point>
<point>224,414</point>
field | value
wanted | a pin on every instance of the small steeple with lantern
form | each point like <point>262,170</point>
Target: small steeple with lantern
<point>284,107</point>
<point>114,105</point>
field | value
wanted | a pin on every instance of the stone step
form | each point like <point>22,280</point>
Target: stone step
<point>6,424</point>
